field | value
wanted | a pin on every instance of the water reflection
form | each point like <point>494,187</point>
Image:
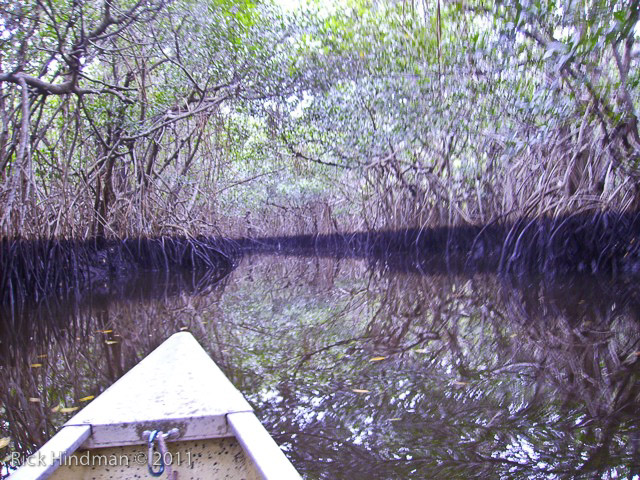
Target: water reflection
<point>55,355</point>
<point>373,371</point>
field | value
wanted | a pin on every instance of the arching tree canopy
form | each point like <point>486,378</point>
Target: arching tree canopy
<point>128,118</point>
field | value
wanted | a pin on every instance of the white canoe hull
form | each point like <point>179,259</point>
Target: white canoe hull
<point>177,386</point>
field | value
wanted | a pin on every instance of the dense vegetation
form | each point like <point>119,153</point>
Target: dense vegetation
<point>134,118</point>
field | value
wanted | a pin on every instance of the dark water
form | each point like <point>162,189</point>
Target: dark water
<point>363,370</point>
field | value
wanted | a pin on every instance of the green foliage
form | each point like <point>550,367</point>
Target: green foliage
<point>439,112</point>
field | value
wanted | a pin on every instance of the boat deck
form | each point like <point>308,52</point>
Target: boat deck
<point>177,386</point>
<point>194,459</point>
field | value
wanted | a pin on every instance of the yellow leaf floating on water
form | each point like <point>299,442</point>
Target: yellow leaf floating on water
<point>360,390</point>
<point>105,331</point>
<point>35,365</point>
<point>68,409</point>
<point>5,441</point>
<point>44,355</point>
<point>111,342</point>
<point>87,398</point>
<point>34,400</point>
<point>376,359</point>
<point>397,419</point>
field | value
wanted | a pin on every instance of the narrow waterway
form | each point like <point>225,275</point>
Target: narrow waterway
<point>365,369</point>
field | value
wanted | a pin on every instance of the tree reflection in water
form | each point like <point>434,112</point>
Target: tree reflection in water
<point>481,377</point>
